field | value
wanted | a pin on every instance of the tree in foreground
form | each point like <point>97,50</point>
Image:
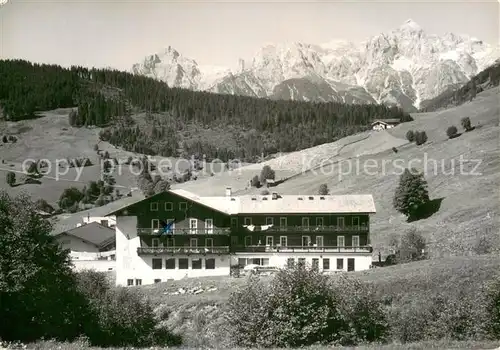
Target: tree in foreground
<point>411,193</point>
<point>36,281</point>
<point>301,307</point>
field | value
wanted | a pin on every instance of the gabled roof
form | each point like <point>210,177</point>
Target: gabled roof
<point>292,204</point>
<point>66,222</point>
<point>94,233</point>
<point>286,204</point>
<point>387,121</point>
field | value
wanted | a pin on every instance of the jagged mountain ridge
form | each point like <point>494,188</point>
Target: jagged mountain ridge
<point>403,67</point>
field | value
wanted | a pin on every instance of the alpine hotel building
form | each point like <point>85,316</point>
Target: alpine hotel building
<point>211,234</point>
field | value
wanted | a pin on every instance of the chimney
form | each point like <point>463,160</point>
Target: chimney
<point>274,195</point>
<point>228,192</point>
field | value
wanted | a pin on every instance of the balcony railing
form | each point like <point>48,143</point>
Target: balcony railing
<point>334,228</point>
<point>184,231</point>
<point>303,249</point>
<point>183,250</point>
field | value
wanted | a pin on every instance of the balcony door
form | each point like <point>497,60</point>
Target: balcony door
<point>193,242</point>
<point>340,241</point>
<point>170,242</point>
<point>306,241</point>
<point>355,241</point>
<point>319,241</point>
<point>193,226</point>
<point>283,223</point>
<point>355,222</point>
<point>319,222</point>
<point>269,241</point>
<point>283,241</point>
<point>209,226</point>
<point>340,223</point>
<point>155,225</point>
<point>209,242</point>
<point>305,224</point>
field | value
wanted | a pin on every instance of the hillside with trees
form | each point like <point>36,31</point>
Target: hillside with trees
<point>112,99</point>
<point>487,79</point>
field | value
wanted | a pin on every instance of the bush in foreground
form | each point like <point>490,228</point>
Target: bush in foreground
<point>302,307</point>
<point>124,317</point>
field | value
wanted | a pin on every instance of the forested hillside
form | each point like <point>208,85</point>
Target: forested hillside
<point>487,79</point>
<point>109,98</point>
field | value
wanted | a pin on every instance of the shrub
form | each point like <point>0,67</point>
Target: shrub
<point>411,193</point>
<point>420,138</point>
<point>323,189</point>
<point>411,246</point>
<point>5,139</point>
<point>69,197</point>
<point>10,178</point>
<point>255,181</point>
<point>451,131</point>
<point>124,316</point>
<point>301,307</point>
<point>466,123</point>
<point>410,135</point>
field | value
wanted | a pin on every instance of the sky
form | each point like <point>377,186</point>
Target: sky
<point>120,33</point>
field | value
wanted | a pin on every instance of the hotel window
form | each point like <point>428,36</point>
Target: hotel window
<point>305,223</point>
<point>153,206</point>
<point>355,221</point>
<point>248,241</point>
<point>319,221</point>
<point>155,243</point>
<point>169,206</point>
<point>157,264</point>
<point>340,241</point>
<point>196,264</point>
<point>248,221</point>
<point>340,222</point>
<point>283,223</point>
<point>315,264</point>
<point>319,241</point>
<point>170,242</point>
<point>183,263</point>
<point>210,264</point>
<point>306,241</point>
<point>209,226</point>
<point>155,224</point>
<point>283,241</point>
<point>130,282</point>
<point>270,241</point>
<point>269,221</point>
<point>138,282</point>
<point>173,225</point>
<point>302,262</point>
<point>234,222</point>
<point>355,241</point>
<point>183,205</point>
<point>170,264</point>
<point>326,264</point>
<point>193,242</point>
<point>193,225</point>
<point>209,242</point>
<point>290,262</point>
<point>340,264</point>
<point>104,223</point>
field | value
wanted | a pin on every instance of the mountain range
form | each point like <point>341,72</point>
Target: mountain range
<point>404,67</point>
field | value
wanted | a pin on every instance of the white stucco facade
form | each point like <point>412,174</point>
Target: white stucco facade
<point>131,266</point>
<point>326,262</point>
<point>381,126</point>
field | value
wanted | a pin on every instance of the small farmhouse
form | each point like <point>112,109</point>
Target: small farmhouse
<point>382,124</point>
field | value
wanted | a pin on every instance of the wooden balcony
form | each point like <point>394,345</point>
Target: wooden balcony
<point>300,229</point>
<point>182,250</point>
<point>302,249</point>
<point>183,231</point>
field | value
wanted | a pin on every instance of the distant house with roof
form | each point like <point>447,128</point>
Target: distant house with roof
<point>88,238</point>
<point>209,235</point>
<point>382,124</point>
